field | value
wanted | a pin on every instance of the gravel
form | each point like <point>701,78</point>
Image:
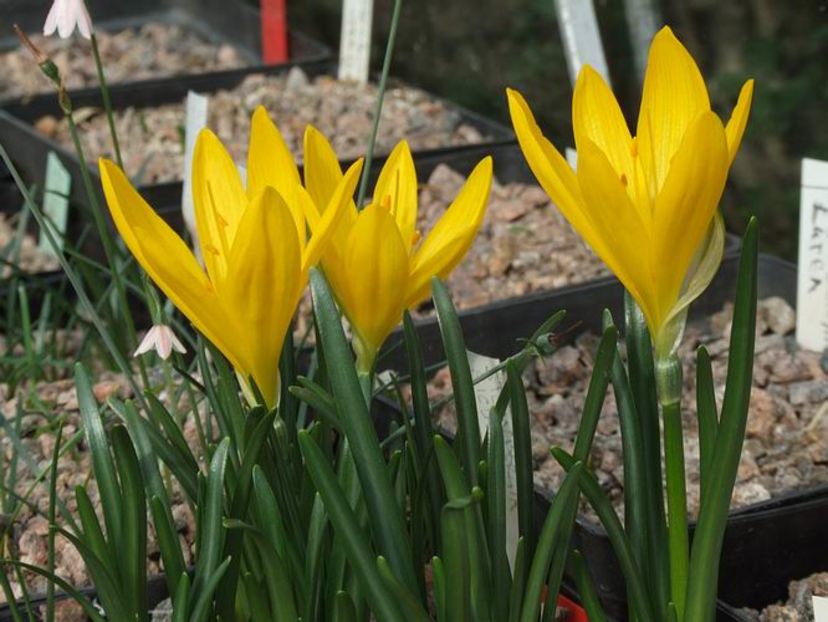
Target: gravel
<point>152,50</point>
<point>786,445</point>
<point>799,606</point>
<point>152,139</point>
<point>21,252</point>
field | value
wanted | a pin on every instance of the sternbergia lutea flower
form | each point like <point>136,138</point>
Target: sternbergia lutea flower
<point>253,240</point>
<point>646,204</point>
<point>378,264</point>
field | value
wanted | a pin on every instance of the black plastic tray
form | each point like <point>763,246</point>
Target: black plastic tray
<point>235,23</point>
<point>16,123</point>
<point>765,544</point>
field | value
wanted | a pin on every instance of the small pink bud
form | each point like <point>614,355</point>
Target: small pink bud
<point>65,16</point>
<point>162,339</point>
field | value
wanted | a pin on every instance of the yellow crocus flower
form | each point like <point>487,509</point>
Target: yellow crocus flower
<point>254,243</point>
<point>645,204</point>
<point>377,264</point>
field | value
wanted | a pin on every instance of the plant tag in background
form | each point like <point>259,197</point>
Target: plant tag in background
<point>572,158</point>
<point>355,40</point>
<point>820,608</point>
<point>196,120</point>
<point>274,31</point>
<point>812,285</point>
<point>581,37</point>
<point>486,393</point>
<point>55,202</point>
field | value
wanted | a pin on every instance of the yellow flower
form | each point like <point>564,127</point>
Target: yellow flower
<point>645,204</point>
<point>376,263</point>
<point>254,243</point>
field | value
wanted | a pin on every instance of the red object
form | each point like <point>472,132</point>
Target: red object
<point>274,31</point>
<point>576,612</point>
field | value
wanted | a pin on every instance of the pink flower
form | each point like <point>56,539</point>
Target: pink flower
<point>161,339</point>
<point>65,15</point>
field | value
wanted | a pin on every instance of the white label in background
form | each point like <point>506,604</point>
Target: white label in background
<point>486,393</point>
<point>195,122</point>
<point>820,608</point>
<point>572,158</point>
<point>812,286</point>
<point>581,37</point>
<point>355,40</point>
<point>55,202</point>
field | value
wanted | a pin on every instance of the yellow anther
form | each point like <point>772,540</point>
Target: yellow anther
<point>624,179</point>
<point>212,249</point>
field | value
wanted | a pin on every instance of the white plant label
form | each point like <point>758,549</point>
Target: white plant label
<point>572,158</point>
<point>196,120</point>
<point>812,285</point>
<point>486,393</point>
<point>820,608</point>
<point>581,37</point>
<point>55,202</point>
<point>355,40</point>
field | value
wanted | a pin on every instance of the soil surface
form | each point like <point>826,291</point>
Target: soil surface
<point>799,606</point>
<point>786,444</point>
<point>152,50</point>
<point>21,252</point>
<point>152,139</point>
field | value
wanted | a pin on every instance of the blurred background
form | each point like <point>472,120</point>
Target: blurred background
<point>470,50</point>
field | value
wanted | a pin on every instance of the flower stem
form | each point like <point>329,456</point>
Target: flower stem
<point>107,102</point>
<point>668,379</point>
<point>386,68</point>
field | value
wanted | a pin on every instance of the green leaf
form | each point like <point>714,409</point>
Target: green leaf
<point>88,608</point>
<point>638,595</point>
<point>642,382</point>
<point>385,515</point>
<point>596,393</point>
<point>351,535</point>
<point>468,430</point>
<point>524,471</point>
<point>715,503</point>
<point>586,589</point>
<point>496,519</point>
<point>547,542</point>
<point>204,597</point>
<point>209,520</point>
<point>133,547</point>
<point>101,459</point>
<point>707,413</point>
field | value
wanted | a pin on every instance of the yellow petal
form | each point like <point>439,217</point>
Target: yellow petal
<point>397,188</point>
<point>269,160</point>
<point>322,170</point>
<point>450,239</point>
<point>375,277</point>
<point>264,282</point>
<point>325,226</point>
<point>674,96</point>
<point>219,200</point>
<point>551,169</point>
<point>738,119</point>
<point>596,116</point>
<point>166,258</point>
<point>686,205</point>
<point>617,233</point>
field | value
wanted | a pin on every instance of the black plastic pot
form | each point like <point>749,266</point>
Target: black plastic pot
<point>157,592</point>
<point>766,544</point>
<point>16,124</point>
<point>219,22</point>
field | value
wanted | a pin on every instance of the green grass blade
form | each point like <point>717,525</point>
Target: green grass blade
<point>209,521</point>
<point>496,519</point>
<point>524,470</point>
<point>586,589</point>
